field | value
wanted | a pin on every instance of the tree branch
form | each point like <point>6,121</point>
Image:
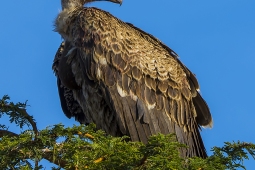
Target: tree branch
<point>24,114</point>
<point>48,155</point>
<point>7,133</point>
<point>29,119</point>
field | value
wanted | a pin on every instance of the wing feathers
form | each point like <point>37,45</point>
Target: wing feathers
<point>117,107</point>
<point>182,112</point>
<point>167,107</point>
<point>136,73</point>
<point>125,83</point>
<point>163,86</point>
<point>118,62</point>
<point>133,129</point>
<point>174,110</point>
<point>109,76</point>
<point>159,101</point>
<point>141,111</point>
<point>204,117</point>
<point>179,113</point>
<point>150,98</point>
<point>143,131</point>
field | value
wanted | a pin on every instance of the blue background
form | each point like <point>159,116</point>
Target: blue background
<point>215,39</point>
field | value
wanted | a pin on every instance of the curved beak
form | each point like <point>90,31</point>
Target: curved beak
<point>116,1</point>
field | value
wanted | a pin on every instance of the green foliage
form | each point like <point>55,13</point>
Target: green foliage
<point>14,111</point>
<point>233,154</point>
<point>83,147</point>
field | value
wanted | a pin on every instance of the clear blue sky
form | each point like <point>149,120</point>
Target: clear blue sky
<point>215,39</point>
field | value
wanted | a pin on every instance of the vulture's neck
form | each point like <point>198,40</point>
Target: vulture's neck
<point>71,4</point>
<point>64,18</point>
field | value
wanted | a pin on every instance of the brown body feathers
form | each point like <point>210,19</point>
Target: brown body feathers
<point>126,81</point>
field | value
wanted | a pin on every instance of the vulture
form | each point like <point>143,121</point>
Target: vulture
<point>125,80</point>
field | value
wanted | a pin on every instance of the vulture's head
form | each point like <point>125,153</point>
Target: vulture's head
<point>80,3</point>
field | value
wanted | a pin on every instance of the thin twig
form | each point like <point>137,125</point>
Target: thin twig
<point>30,120</point>
<point>143,160</point>
<point>25,115</point>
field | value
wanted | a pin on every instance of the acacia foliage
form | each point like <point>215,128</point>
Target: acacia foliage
<point>83,147</point>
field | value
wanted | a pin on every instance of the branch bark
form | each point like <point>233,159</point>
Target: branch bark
<point>48,155</point>
<point>7,133</point>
